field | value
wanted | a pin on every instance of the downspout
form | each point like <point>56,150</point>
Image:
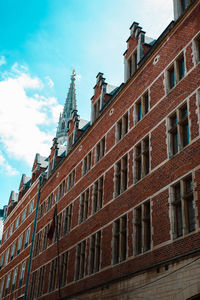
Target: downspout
<point>33,236</point>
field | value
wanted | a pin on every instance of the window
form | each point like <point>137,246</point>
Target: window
<point>12,251</point>
<point>57,233</point>
<point>31,207</point>
<point>6,257</point>
<point>100,149</point>
<point>84,201</point>
<point>22,274</point>
<point>197,49</point>
<point>19,244</point>
<point>120,240</point>
<point>50,168</point>
<point>37,243</point>
<point>32,289</point>
<point>180,67</point>
<point>178,130</point>
<point>71,180</point>
<point>1,287</point>
<point>80,260</point>
<point>41,210</point>
<point>68,219</point>
<point>121,175</point>
<point>11,230</point>
<point>141,107</point>
<point>50,202</point>
<point>6,236</point>
<point>87,163</point>
<point>1,260</point>
<point>14,280</point>
<point>98,194</point>
<point>17,223</point>
<point>176,72</point>
<point>40,281</point>
<point>142,159</point>
<point>63,268</point>
<point>24,215</point>
<point>7,284</point>
<point>61,190</point>
<point>53,275</point>
<point>45,238</point>
<point>142,228</point>
<point>183,5</point>
<point>96,109</point>
<point>132,63</point>
<point>95,252</point>
<point>27,238</point>
<point>70,142</point>
<point>122,127</point>
<point>171,77</point>
<point>183,210</point>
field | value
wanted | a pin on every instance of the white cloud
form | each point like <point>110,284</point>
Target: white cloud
<point>2,60</point>
<point>49,81</point>
<point>6,168</point>
<point>25,121</point>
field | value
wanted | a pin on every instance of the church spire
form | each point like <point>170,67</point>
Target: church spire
<point>69,107</point>
<point>70,104</point>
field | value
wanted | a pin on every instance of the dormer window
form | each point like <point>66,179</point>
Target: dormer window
<point>50,167</point>
<point>179,7</point>
<point>132,63</point>
<point>70,142</point>
<point>96,109</point>
<point>183,5</point>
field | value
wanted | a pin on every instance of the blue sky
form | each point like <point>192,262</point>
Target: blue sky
<point>42,41</point>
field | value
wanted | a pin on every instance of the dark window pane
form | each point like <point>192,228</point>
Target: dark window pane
<point>181,67</point>
<point>171,78</point>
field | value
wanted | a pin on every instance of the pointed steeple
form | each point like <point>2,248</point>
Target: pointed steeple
<point>70,104</point>
<point>69,107</point>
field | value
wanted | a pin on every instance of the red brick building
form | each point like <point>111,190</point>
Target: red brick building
<point>126,223</point>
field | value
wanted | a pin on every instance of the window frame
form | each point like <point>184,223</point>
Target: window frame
<point>174,69</point>
<point>142,165</point>
<point>97,194</point>
<point>122,127</point>
<point>27,237</point>
<point>14,279</point>
<point>95,252</point>
<point>87,163</point>
<point>180,209</point>
<point>120,240</point>
<point>71,180</point>
<point>80,260</point>
<point>100,149</point>
<point>141,107</point>
<point>121,175</point>
<point>178,132</point>
<point>196,49</point>
<point>31,206</point>
<point>67,219</point>
<point>84,205</point>
<point>142,237</point>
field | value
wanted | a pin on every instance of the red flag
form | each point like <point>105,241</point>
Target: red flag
<point>53,224</point>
